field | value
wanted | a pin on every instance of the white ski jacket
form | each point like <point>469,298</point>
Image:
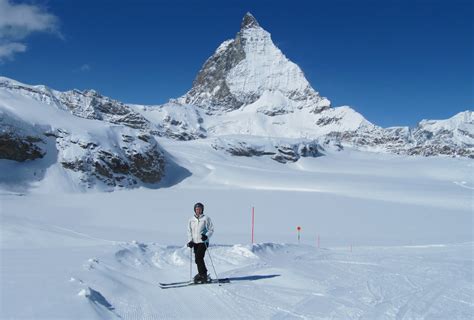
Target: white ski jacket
<point>198,227</point>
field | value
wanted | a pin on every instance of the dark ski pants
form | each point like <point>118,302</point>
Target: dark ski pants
<point>199,252</point>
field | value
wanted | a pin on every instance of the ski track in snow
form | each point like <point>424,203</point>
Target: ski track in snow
<point>285,282</point>
<point>464,184</point>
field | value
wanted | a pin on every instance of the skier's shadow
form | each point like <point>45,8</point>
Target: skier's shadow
<point>254,277</point>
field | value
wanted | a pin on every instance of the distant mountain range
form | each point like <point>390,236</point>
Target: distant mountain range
<point>247,100</point>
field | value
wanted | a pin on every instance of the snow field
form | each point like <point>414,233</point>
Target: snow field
<point>281,281</point>
<point>409,221</point>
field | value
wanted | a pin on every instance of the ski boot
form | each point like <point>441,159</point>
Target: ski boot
<point>199,279</point>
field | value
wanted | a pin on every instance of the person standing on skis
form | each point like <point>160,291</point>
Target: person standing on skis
<point>200,229</point>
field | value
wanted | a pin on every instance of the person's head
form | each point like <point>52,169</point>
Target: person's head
<point>198,208</point>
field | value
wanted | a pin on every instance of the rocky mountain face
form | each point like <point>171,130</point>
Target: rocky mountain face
<point>451,137</point>
<point>280,150</point>
<point>248,100</point>
<point>136,159</point>
<point>119,150</point>
<point>19,142</point>
<point>245,68</point>
<point>454,136</point>
<point>174,121</point>
<point>88,104</point>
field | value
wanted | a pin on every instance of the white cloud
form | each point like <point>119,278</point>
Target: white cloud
<point>7,50</point>
<point>85,67</point>
<point>17,21</point>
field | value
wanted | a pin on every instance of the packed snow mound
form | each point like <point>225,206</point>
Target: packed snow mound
<point>269,280</point>
<point>269,248</point>
<point>140,255</point>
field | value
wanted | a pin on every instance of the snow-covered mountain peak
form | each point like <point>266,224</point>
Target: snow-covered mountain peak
<point>242,69</point>
<point>460,119</point>
<point>249,21</point>
<point>458,129</point>
<point>5,80</point>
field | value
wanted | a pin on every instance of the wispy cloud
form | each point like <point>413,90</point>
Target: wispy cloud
<point>18,21</point>
<point>84,68</point>
<point>7,50</point>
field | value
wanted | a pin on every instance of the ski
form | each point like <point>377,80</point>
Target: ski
<point>187,283</point>
<point>174,283</point>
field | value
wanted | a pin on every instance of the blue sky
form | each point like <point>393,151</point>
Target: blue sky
<point>395,62</point>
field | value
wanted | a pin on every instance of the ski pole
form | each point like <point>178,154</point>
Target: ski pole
<point>212,263</point>
<point>190,264</point>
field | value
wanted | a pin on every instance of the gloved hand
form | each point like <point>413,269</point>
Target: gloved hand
<point>204,237</point>
<point>190,244</point>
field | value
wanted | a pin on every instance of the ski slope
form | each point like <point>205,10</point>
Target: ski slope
<point>395,241</point>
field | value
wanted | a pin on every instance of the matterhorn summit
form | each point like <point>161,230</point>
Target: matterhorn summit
<point>249,68</point>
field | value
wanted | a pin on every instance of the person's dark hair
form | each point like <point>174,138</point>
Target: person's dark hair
<point>199,205</point>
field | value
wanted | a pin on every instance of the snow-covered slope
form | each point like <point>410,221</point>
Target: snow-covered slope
<point>443,136</point>
<point>395,242</point>
<point>88,104</point>
<point>77,151</point>
<point>175,121</point>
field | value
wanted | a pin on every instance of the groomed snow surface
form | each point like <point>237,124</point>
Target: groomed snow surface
<point>395,241</point>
